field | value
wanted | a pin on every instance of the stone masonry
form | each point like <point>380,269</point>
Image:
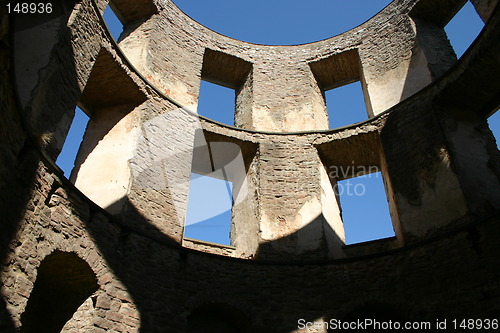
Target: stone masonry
<point>104,250</point>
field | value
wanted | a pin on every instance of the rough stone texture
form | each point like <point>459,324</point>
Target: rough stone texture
<point>437,12</point>
<point>209,247</point>
<point>83,319</point>
<point>484,8</point>
<point>427,133</point>
<point>102,172</point>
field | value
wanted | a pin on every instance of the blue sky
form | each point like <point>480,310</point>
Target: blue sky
<point>277,22</point>
<point>293,22</point>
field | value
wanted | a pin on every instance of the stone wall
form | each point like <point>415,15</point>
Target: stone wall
<point>120,219</point>
<point>149,283</point>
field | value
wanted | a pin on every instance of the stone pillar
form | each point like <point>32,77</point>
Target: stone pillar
<point>430,57</point>
<point>437,49</point>
<point>425,184</point>
<point>286,99</point>
<point>243,116</point>
<point>177,73</point>
<point>474,156</point>
<point>299,213</point>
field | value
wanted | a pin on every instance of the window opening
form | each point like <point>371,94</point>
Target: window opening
<point>67,157</point>
<point>217,102</point>
<point>365,210</point>
<point>209,210</point>
<point>346,105</point>
<point>463,28</point>
<point>494,124</point>
<point>114,24</point>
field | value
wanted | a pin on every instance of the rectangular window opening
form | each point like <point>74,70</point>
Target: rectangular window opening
<point>115,25</point>
<point>463,28</point>
<point>217,102</point>
<point>74,139</point>
<point>209,212</point>
<point>222,75</point>
<point>365,209</point>
<point>340,79</point>
<point>346,105</point>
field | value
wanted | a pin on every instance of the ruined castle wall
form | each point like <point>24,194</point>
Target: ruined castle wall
<point>291,198</point>
<point>127,264</point>
<point>444,204</point>
<point>285,94</point>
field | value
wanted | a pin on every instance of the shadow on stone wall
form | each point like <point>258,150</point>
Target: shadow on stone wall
<point>166,282</point>
<point>19,152</point>
<point>64,281</point>
<point>285,248</point>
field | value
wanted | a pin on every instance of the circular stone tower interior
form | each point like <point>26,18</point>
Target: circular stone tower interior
<point>105,249</point>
